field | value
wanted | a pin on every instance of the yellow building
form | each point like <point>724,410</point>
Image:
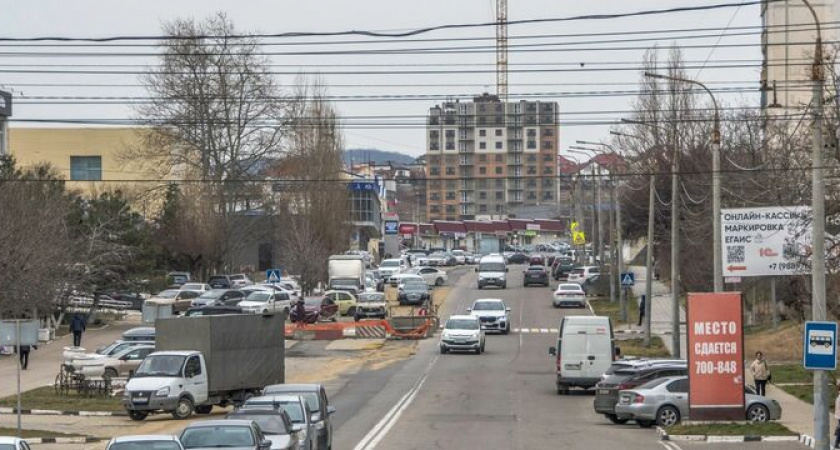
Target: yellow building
<point>89,158</point>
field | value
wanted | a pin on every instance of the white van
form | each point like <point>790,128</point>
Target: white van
<point>584,351</point>
<point>492,271</point>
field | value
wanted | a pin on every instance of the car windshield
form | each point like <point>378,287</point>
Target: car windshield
<point>488,306</point>
<point>415,285</point>
<point>372,297</point>
<point>7,447</point>
<point>461,324</point>
<point>269,423</point>
<point>141,445</point>
<point>219,436</point>
<point>160,366</point>
<point>652,383</point>
<point>491,267</point>
<point>312,302</point>
<point>217,280</point>
<point>390,263</point>
<point>169,293</point>
<point>258,296</point>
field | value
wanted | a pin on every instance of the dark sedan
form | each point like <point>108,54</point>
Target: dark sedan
<point>414,292</point>
<point>233,434</point>
<point>606,391</point>
<point>562,267</point>
<point>535,275</point>
<point>518,258</point>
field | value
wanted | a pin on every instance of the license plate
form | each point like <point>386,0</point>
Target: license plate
<point>140,400</point>
<point>604,391</point>
<point>573,366</point>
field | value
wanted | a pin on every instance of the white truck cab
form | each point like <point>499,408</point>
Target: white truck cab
<point>175,382</point>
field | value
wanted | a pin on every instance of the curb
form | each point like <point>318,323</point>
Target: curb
<point>51,412</point>
<point>664,436</point>
<point>65,440</point>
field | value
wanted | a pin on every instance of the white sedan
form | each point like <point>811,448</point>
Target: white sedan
<point>569,294</point>
<point>433,277</point>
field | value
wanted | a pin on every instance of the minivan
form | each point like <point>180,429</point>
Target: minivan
<point>492,271</point>
<point>584,351</point>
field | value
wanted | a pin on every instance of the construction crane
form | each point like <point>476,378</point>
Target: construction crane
<point>501,50</point>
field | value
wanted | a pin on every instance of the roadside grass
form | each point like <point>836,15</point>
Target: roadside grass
<point>32,434</point>
<point>603,307</point>
<point>805,392</point>
<point>636,347</point>
<point>782,344</point>
<point>46,398</point>
<point>732,429</point>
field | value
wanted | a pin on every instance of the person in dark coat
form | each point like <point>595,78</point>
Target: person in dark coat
<point>24,355</point>
<point>300,311</point>
<point>642,310</point>
<point>77,327</point>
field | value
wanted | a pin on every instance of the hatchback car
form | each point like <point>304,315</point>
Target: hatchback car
<point>220,282</point>
<point>214,434</point>
<point>316,397</point>
<point>198,287</point>
<point>535,274</point>
<point>432,276</point>
<point>606,391</point>
<point>315,310</point>
<point>345,300</point>
<point>275,424</point>
<point>264,302</point>
<point>569,294</point>
<point>462,333</point>
<point>371,304</point>
<point>581,275</point>
<point>145,442</point>
<point>299,413</point>
<point>118,365</point>
<point>180,300</point>
<point>492,313</point>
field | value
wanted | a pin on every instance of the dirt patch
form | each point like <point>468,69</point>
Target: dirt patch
<point>782,344</point>
<point>323,369</point>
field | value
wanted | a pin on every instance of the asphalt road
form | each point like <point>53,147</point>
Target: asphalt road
<point>505,398</point>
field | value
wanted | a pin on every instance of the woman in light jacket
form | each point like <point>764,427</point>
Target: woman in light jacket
<point>760,372</point>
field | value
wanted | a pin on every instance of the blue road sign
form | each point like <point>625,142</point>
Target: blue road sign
<point>628,279</point>
<point>820,346</point>
<point>392,227</point>
<point>273,275</point>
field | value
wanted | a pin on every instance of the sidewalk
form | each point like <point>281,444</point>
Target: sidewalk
<point>45,361</point>
<point>660,317</point>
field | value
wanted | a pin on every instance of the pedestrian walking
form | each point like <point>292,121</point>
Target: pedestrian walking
<point>23,353</point>
<point>77,327</point>
<point>837,417</point>
<point>761,373</point>
<point>642,310</point>
<point>300,311</point>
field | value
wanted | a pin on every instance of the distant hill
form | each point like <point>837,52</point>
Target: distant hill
<point>358,155</point>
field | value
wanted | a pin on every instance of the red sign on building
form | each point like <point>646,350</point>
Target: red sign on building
<point>715,356</point>
<point>408,228</point>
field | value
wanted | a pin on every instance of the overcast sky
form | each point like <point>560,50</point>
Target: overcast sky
<point>598,67</point>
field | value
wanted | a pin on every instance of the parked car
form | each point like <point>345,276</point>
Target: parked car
<point>371,304</point>
<point>569,294</point>
<point>179,300</point>
<point>462,333</point>
<point>264,302</point>
<point>664,402</point>
<point>470,258</point>
<point>214,434</point>
<point>517,258</point>
<point>197,287</point>
<point>581,274</point>
<point>109,350</point>
<point>240,279</point>
<point>492,313</point>
<point>390,267</point>
<point>316,309</point>
<point>145,442</point>
<point>435,260</point>
<point>606,391</point>
<point>346,302</point>
<point>460,256</point>
<point>178,278</point>
<point>144,334</point>
<point>535,275</point>
<point>299,413</point>
<point>118,365</point>
<point>536,260</point>
<point>433,277</point>
<point>218,297</point>
<point>316,397</point>
<point>220,282</point>
<point>275,424</point>
<point>213,311</point>
<point>561,268</point>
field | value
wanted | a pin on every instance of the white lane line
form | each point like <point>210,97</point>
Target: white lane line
<point>535,330</point>
<point>525,330</point>
<point>380,430</point>
<point>521,312</point>
<point>543,330</point>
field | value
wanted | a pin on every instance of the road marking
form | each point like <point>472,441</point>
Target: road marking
<point>670,445</point>
<point>380,430</point>
<point>543,330</point>
<point>535,330</point>
<point>522,331</point>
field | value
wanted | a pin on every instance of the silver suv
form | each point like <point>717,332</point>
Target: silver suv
<point>493,314</point>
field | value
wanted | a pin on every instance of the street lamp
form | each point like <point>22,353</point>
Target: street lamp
<point>717,245</point>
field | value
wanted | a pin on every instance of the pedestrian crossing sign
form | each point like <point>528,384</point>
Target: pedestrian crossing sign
<point>628,279</point>
<point>579,238</point>
<point>273,275</point>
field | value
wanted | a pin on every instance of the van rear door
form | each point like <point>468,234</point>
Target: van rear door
<point>599,351</point>
<point>573,352</point>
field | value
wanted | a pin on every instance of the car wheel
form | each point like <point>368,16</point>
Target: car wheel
<point>439,282</point>
<point>758,413</point>
<point>357,318</point>
<point>443,350</point>
<point>614,419</point>
<point>506,330</point>
<point>183,409</point>
<point>137,415</point>
<point>504,286</point>
<point>667,416</point>
<point>110,373</point>
<point>351,311</point>
<point>204,409</point>
<point>644,423</point>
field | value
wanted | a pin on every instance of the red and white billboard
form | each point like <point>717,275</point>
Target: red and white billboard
<point>715,356</point>
<point>408,229</point>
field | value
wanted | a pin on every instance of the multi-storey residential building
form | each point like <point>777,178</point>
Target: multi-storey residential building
<point>788,50</point>
<point>486,157</point>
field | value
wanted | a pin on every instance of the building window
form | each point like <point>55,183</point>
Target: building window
<point>532,170</point>
<point>482,158</point>
<point>548,132</point>
<point>450,196</point>
<point>450,145</point>
<point>532,195</point>
<point>548,157</point>
<point>462,146</point>
<point>450,209</point>
<point>500,184</point>
<point>499,158</point>
<point>482,145</point>
<point>450,134</point>
<point>464,160</point>
<point>546,183</point>
<point>498,208</point>
<point>482,195</point>
<point>434,134</point>
<point>482,208</point>
<point>85,168</point>
<point>547,170</point>
<point>532,158</point>
<point>434,145</point>
<point>482,170</point>
<point>498,145</point>
<point>434,171</point>
<point>532,132</point>
<point>532,183</point>
<point>482,120</point>
<point>547,144</point>
<point>434,196</point>
<point>532,144</point>
<point>435,208</point>
<point>500,195</point>
<point>498,131</point>
<point>450,171</point>
<point>498,170</point>
<point>547,195</point>
<point>482,133</point>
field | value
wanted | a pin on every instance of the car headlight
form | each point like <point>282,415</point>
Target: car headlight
<point>302,436</point>
<point>319,425</point>
<point>162,392</point>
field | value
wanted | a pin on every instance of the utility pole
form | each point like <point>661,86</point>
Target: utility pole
<point>818,306</point>
<point>502,50</point>
<point>619,254</point>
<point>613,275</point>
<point>600,249</point>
